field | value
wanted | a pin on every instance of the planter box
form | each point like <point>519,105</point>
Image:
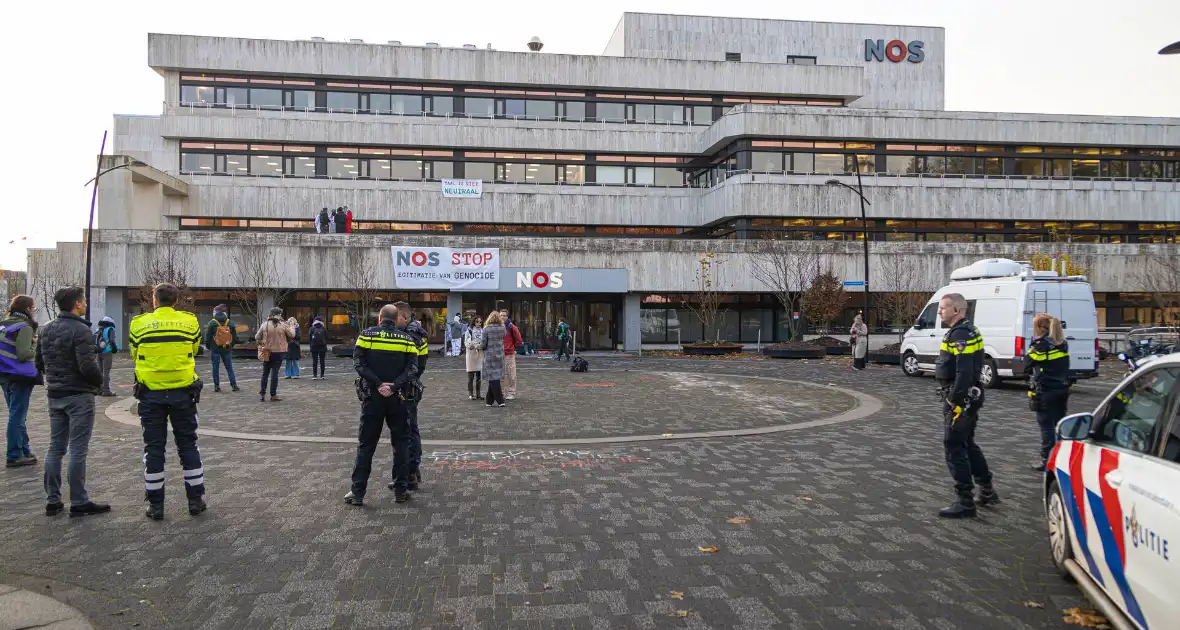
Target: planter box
<point>711,350</point>
<point>798,353</point>
<point>342,351</point>
<point>839,350</point>
<point>883,358</point>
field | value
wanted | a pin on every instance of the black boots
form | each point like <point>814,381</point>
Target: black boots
<point>155,511</point>
<point>963,508</point>
<point>196,505</point>
<point>987,495</point>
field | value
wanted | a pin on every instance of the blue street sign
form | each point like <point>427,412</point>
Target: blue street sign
<point>854,283</point>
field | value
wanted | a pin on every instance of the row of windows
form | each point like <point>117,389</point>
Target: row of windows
<point>766,162</point>
<point>786,229</point>
<point>435,100</point>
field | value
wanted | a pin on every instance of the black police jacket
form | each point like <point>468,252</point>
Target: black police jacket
<point>960,360</point>
<point>384,354</point>
<point>414,329</point>
<point>1047,365</point>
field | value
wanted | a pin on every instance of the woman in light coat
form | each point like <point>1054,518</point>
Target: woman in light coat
<point>492,344</point>
<point>472,337</point>
<point>859,336</point>
<point>272,337</point>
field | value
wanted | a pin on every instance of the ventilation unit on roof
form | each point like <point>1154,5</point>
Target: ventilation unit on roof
<point>356,41</point>
<point>468,46</point>
<point>395,42</point>
<point>535,44</point>
<point>490,46</point>
<point>432,44</point>
<point>317,39</point>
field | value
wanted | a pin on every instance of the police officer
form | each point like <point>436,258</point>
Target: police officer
<point>415,330</point>
<point>1047,366</point>
<point>386,359</point>
<point>163,344</point>
<point>960,361</point>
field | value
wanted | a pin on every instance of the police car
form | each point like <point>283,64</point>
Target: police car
<point>1112,499</point>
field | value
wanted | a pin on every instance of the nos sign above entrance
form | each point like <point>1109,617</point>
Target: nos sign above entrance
<point>561,280</point>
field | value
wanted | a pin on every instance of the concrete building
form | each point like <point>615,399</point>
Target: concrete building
<point>688,135</point>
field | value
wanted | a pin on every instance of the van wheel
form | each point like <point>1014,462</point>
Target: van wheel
<point>1060,543</point>
<point>909,364</point>
<point>988,377</point>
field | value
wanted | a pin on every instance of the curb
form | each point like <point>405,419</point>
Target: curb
<point>866,405</point>
<point>26,609</point>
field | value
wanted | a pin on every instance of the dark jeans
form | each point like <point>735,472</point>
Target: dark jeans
<point>495,394</point>
<point>16,396</point>
<point>317,362</point>
<point>376,413</point>
<point>219,356</point>
<point>270,370</point>
<point>964,458</point>
<point>1051,411</point>
<point>104,361</point>
<point>473,383</point>
<point>155,410</point>
<point>415,437</point>
<point>71,421</point>
<point>563,347</point>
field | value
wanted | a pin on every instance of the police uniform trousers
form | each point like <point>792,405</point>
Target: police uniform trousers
<point>964,458</point>
<point>1050,410</point>
<point>415,437</point>
<point>156,407</point>
<point>376,413</point>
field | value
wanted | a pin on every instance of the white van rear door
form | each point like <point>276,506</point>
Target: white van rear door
<point>1080,319</point>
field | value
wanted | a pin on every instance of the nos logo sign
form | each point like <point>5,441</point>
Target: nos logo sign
<point>538,280</point>
<point>895,51</point>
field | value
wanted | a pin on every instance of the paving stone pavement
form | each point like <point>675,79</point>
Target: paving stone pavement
<point>842,530</point>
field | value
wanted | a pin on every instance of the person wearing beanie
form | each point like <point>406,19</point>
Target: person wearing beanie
<point>221,335</point>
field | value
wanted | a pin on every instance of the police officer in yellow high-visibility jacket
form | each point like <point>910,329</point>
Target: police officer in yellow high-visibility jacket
<point>163,344</point>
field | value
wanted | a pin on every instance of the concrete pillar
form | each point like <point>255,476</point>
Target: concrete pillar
<point>631,317</point>
<point>98,306</point>
<point>266,301</point>
<point>454,305</point>
<point>116,311</point>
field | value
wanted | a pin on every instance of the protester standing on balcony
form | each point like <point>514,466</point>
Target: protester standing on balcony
<point>323,222</point>
<point>859,337</point>
<point>339,221</point>
<point>347,220</point>
<point>293,351</point>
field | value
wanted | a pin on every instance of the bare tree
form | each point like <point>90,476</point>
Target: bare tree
<point>1159,275</point>
<point>824,300</point>
<point>49,275</point>
<point>903,290</point>
<point>361,277</point>
<point>255,269</point>
<point>786,268</point>
<point>167,262</point>
<point>706,300</point>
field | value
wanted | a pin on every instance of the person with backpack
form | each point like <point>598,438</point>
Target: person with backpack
<point>106,346</point>
<point>563,340</point>
<point>317,339</point>
<point>18,375</point>
<point>339,221</point>
<point>221,335</point>
<point>323,222</point>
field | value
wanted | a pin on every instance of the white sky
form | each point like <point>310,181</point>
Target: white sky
<point>68,66</point>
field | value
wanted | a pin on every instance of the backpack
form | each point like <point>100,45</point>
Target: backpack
<point>324,220</point>
<point>563,332</point>
<point>318,336</point>
<point>580,365</point>
<point>223,337</point>
<point>101,340</point>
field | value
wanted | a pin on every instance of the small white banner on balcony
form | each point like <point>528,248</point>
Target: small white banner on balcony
<point>462,188</point>
<point>446,268</point>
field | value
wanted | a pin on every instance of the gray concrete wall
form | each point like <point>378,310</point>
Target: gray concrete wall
<point>890,85</point>
<point>407,63</point>
<point>312,261</point>
<point>749,195</point>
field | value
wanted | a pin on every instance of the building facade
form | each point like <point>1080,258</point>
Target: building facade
<point>688,136</point>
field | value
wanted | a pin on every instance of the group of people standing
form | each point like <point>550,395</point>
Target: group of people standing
<point>278,346</point>
<point>329,222</point>
<point>491,347</point>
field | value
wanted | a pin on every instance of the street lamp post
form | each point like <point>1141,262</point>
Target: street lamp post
<point>99,172</point>
<point>1171,49</point>
<point>864,224</point>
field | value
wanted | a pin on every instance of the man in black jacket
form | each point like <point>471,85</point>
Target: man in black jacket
<point>65,355</point>
<point>386,360</point>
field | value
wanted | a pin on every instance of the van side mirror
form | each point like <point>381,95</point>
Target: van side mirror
<point>918,325</point>
<point>1075,427</point>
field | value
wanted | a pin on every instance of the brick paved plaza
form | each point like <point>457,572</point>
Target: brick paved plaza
<point>839,474</point>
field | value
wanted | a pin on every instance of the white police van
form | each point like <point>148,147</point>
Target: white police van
<point>1003,296</point>
<point>1112,499</point>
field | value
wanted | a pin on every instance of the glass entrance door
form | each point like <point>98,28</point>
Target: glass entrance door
<point>599,326</point>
